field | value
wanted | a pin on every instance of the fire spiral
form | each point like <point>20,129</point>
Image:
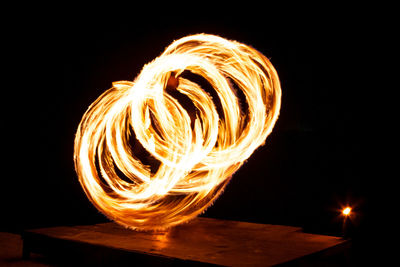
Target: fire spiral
<point>191,153</point>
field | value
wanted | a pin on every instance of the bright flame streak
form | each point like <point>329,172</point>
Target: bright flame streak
<point>195,163</point>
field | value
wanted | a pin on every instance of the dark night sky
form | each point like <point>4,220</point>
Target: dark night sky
<point>311,164</point>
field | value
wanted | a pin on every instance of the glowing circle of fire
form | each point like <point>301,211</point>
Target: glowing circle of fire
<point>196,152</point>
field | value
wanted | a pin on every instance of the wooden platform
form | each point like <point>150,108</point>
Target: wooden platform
<point>203,241</point>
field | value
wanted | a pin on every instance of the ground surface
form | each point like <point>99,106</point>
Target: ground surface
<point>201,241</point>
<point>11,253</point>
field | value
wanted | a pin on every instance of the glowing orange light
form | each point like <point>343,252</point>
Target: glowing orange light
<point>197,153</point>
<point>346,211</point>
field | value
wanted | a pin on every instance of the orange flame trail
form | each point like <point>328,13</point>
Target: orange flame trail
<point>197,153</point>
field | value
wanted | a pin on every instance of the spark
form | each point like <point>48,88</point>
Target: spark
<point>197,152</point>
<point>346,211</point>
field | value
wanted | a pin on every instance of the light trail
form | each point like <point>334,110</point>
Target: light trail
<point>197,152</point>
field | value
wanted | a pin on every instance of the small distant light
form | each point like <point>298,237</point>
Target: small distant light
<point>346,211</point>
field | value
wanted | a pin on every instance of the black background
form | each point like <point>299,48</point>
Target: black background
<point>312,165</point>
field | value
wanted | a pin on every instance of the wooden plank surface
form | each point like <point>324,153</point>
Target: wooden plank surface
<point>203,240</point>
